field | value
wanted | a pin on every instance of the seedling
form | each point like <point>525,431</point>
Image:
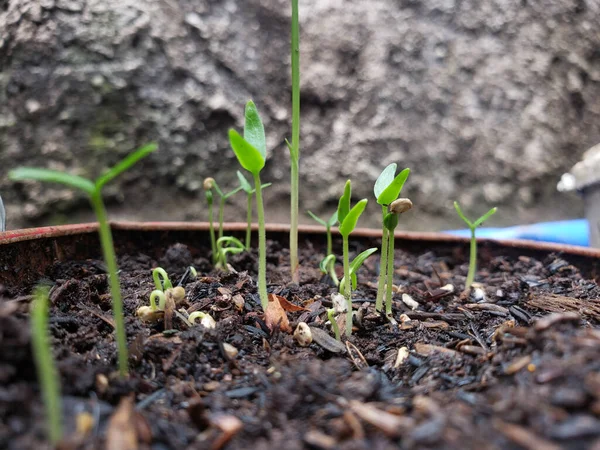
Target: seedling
<point>251,152</point>
<point>327,224</point>
<point>387,189</point>
<point>334,324</point>
<point>94,192</point>
<point>390,222</point>
<point>473,248</point>
<point>227,245</point>
<point>2,216</point>
<point>327,266</point>
<point>206,320</point>
<point>212,184</point>
<point>158,299</point>
<point>348,218</point>
<point>294,147</point>
<point>161,279</point>
<point>44,362</point>
<point>250,191</point>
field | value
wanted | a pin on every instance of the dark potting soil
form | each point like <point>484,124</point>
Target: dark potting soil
<point>516,365</point>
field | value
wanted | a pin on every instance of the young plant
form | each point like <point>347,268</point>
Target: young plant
<point>44,362</point>
<point>348,217</point>
<point>162,284</point>
<point>354,266</point>
<point>225,246</point>
<point>94,192</point>
<point>294,147</point>
<point>387,189</point>
<point>334,324</point>
<point>209,185</point>
<point>390,222</point>
<point>249,190</point>
<point>251,152</point>
<point>473,249</point>
<point>327,224</point>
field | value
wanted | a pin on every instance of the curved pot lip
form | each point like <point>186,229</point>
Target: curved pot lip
<point>27,234</point>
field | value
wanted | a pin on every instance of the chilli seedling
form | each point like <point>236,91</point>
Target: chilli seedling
<point>44,362</point>
<point>387,189</point>
<point>158,297</point>
<point>327,224</point>
<point>473,247</point>
<point>327,266</point>
<point>334,324</point>
<point>250,191</point>
<point>354,266</point>
<point>390,222</point>
<point>227,245</point>
<point>251,152</point>
<point>94,191</point>
<point>210,184</point>
<point>348,217</point>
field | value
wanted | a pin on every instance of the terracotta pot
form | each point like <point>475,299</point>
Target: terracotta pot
<point>26,254</point>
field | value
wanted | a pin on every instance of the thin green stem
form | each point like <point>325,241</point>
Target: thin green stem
<point>46,368</point>
<point>110,259</point>
<point>295,151</point>
<point>334,324</point>
<point>347,286</point>
<point>390,274</point>
<point>329,241</point>
<point>382,265</point>
<point>262,245</point>
<point>249,220</point>
<point>221,209</point>
<point>211,227</point>
<point>472,260</point>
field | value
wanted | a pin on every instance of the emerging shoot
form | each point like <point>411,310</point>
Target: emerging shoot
<point>327,266</point>
<point>44,362</point>
<point>473,248</point>
<point>327,224</point>
<point>227,245</point>
<point>334,324</point>
<point>387,189</point>
<point>251,152</point>
<point>348,217</point>
<point>206,320</point>
<point>94,192</point>
<point>209,185</point>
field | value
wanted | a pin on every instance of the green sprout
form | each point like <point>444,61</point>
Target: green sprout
<point>44,362</point>
<point>161,279</point>
<point>206,320</point>
<point>209,185</point>
<point>473,249</point>
<point>227,245</point>
<point>94,192</point>
<point>390,222</point>
<point>294,147</point>
<point>354,266</point>
<point>158,297</point>
<point>250,191</point>
<point>334,324</point>
<point>327,224</point>
<point>387,189</point>
<point>348,217</point>
<point>251,152</point>
<point>327,266</point>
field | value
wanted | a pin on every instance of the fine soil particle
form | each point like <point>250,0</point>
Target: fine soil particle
<point>514,365</point>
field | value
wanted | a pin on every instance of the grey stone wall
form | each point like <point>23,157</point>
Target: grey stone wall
<point>488,102</point>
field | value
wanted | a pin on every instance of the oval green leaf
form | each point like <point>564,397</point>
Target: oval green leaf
<point>384,179</point>
<point>344,203</point>
<point>254,131</point>
<point>392,191</point>
<point>52,176</point>
<point>349,222</point>
<point>248,156</point>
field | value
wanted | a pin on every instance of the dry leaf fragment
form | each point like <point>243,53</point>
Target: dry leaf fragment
<point>121,433</point>
<point>287,305</point>
<point>275,315</point>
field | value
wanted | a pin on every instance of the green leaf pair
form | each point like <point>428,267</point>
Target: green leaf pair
<point>389,185</point>
<point>250,150</point>
<point>355,265</point>
<point>346,216</point>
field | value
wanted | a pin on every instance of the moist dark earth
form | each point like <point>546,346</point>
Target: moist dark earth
<point>518,368</point>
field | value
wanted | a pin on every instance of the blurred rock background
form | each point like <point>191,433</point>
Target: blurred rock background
<point>488,102</point>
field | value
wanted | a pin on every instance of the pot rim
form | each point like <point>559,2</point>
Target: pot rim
<point>27,234</point>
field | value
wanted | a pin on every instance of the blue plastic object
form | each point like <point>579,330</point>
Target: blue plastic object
<point>573,232</point>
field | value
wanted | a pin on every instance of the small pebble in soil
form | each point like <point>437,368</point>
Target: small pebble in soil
<point>303,334</point>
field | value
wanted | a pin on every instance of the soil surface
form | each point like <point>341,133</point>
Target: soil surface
<point>514,365</point>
